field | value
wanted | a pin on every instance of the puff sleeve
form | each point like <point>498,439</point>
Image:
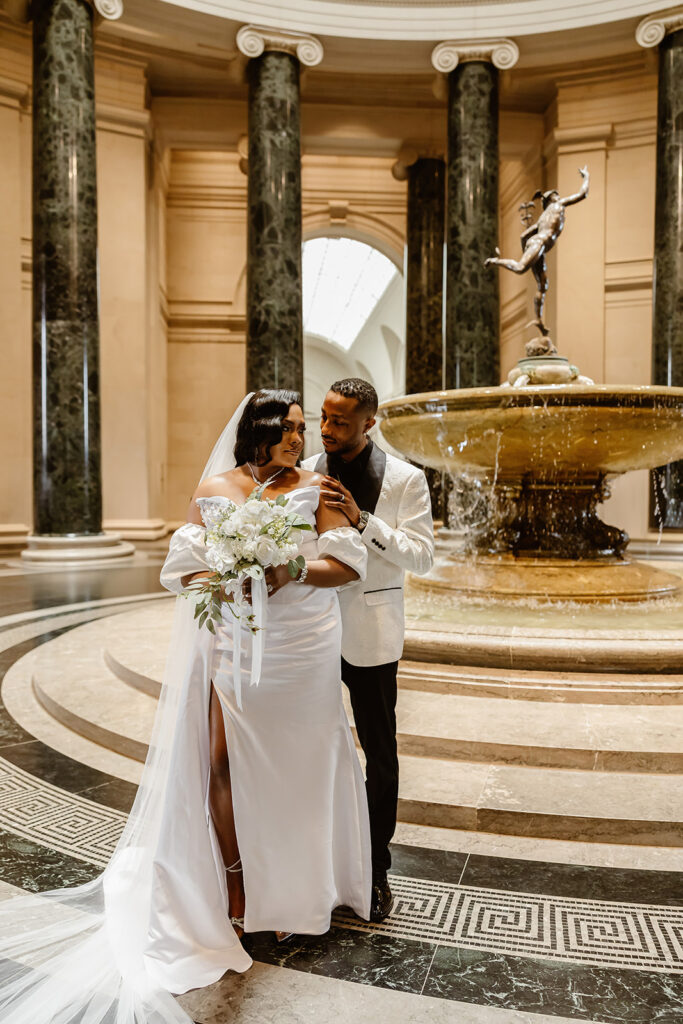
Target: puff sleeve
<point>345,544</point>
<point>186,554</point>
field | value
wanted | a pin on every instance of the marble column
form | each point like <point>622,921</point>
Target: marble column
<point>424,274</point>
<point>666,31</point>
<point>274,286</point>
<point>66,406</point>
<point>66,467</point>
<point>472,307</point>
<point>426,176</point>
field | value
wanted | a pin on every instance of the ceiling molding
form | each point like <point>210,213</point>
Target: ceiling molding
<point>427,20</point>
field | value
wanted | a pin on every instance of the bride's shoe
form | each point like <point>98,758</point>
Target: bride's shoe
<point>283,936</point>
<point>237,922</point>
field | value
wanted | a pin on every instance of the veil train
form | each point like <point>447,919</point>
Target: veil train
<point>101,953</point>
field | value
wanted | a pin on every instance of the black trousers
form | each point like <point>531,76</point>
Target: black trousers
<point>373,699</point>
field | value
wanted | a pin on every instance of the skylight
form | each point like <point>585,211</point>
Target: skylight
<point>343,280</point>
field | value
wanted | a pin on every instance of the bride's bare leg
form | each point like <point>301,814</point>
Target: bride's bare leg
<point>220,804</point>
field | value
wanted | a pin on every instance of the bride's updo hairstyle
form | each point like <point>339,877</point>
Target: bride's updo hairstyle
<point>261,425</point>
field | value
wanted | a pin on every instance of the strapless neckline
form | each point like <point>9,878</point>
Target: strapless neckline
<point>237,504</point>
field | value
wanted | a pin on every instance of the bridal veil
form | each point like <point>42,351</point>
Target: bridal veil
<point>80,955</point>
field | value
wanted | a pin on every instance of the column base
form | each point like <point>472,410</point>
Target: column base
<point>77,550</point>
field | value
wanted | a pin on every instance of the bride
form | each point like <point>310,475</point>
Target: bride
<point>251,814</point>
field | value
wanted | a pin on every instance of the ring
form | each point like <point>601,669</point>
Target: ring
<point>342,497</point>
<point>270,588</point>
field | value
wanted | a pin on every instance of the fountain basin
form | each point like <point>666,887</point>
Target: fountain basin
<point>541,456</point>
<point>545,432</point>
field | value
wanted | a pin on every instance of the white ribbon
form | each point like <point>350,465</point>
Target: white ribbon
<point>259,605</point>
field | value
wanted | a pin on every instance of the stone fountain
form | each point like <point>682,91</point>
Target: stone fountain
<point>538,453</point>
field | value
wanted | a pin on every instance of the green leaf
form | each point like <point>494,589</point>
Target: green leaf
<point>281,500</point>
<point>300,560</point>
<point>197,611</point>
<point>210,626</point>
<point>292,569</point>
<point>202,619</point>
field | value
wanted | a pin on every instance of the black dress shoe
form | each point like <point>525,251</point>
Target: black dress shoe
<point>382,900</point>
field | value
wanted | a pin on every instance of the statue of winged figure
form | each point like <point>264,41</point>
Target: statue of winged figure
<point>538,239</point>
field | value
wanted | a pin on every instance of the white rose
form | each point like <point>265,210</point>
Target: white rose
<point>265,549</point>
<point>248,548</point>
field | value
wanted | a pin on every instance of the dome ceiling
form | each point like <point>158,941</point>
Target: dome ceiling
<point>427,19</point>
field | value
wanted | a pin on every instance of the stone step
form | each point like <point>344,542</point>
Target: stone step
<point>535,685</point>
<point>549,770</point>
<point>483,720</point>
<point>607,807</point>
<point>494,731</point>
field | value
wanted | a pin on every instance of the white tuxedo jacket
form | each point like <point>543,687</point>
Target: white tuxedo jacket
<point>399,538</point>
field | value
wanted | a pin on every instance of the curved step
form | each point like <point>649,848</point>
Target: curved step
<point>562,687</point>
<point>549,649</point>
<point>544,803</point>
<point>139,681</point>
<point>546,769</point>
<point>90,730</point>
<point>472,715</point>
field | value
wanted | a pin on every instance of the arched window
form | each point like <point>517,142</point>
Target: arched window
<point>354,320</point>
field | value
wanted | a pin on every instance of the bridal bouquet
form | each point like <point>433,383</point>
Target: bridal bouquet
<point>241,542</point>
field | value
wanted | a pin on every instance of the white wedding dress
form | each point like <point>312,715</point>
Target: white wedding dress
<point>298,793</point>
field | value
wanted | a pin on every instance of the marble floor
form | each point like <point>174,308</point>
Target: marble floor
<point>486,929</point>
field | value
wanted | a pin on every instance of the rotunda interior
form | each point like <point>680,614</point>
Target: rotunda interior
<point>202,198</point>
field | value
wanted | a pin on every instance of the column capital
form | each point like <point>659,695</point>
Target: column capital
<point>20,10</point>
<point>651,30</point>
<point>253,40</point>
<point>409,154</point>
<point>502,53</point>
<point>110,10</point>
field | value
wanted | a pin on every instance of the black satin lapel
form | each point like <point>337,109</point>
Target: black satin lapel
<point>374,478</point>
<point>321,464</point>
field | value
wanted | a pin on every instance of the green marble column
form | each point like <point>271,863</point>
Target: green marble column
<point>274,306</point>
<point>472,313</point>
<point>424,290</point>
<point>667,340</point>
<point>424,275</point>
<point>67,486</point>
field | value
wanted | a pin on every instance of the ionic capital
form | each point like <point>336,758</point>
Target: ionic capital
<point>110,10</point>
<point>20,10</point>
<point>652,29</point>
<point>253,40</point>
<point>502,53</point>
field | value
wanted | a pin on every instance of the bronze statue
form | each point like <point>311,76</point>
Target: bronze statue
<point>537,240</point>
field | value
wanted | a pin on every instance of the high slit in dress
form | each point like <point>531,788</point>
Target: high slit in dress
<point>298,792</point>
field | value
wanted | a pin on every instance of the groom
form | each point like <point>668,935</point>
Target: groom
<point>388,501</point>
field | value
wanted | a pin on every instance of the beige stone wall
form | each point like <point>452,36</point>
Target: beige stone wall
<point>133,352</point>
<point>15,292</point>
<point>205,295</point>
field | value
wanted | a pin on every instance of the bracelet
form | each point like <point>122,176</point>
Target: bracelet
<point>301,578</point>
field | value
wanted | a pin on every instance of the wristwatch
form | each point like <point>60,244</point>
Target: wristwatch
<point>362,521</point>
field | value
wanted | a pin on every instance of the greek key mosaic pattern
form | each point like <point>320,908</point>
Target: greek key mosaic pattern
<point>522,924</point>
<point>594,932</point>
<point>61,821</point>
